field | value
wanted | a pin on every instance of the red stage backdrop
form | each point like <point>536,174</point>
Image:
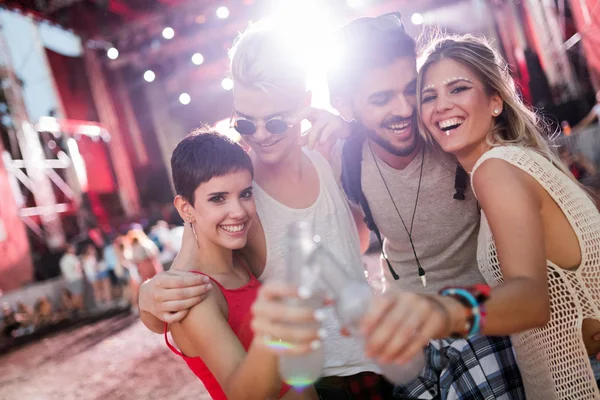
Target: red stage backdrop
<point>16,267</point>
<point>73,87</point>
<point>97,164</point>
<point>75,93</point>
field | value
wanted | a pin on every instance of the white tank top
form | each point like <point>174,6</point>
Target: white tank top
<point>553,360</point>
<point>332,220</point>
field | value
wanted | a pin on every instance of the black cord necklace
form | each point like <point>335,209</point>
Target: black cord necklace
<point>420,269</point>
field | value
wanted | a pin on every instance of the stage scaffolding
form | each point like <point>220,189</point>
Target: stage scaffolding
<point>28,164</point>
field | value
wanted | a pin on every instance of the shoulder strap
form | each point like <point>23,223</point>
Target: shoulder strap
<point>460,182</point>
<point>169,345</point>
<point>351,183</point>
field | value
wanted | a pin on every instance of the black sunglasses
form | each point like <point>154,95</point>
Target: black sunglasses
<point>245,127</point>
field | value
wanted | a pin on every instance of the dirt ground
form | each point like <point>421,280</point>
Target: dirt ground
<point>116,359</point>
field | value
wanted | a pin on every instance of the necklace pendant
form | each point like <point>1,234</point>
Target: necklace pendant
<point>424,280</point>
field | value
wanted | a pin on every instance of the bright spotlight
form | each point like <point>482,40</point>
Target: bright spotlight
<point>227,84</point>
<point>310,43</point>
<point>197,59</point>
<point>149,76</point>
<point>112,53</point>
<point>417,19</point>
<point>222,12</point>
<point>355,3</point>
<point>185,99</point>
<point>168,33</point>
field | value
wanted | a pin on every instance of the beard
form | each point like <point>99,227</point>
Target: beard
<point>386,145</point>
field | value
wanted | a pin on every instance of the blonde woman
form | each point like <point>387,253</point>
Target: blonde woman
<point>539,243</point>
<point>145,254</point>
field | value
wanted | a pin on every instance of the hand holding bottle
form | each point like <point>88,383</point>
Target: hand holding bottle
<point>399,325</point>
<point>287,329</point>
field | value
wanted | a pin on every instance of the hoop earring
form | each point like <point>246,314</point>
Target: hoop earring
<point>195,235</point>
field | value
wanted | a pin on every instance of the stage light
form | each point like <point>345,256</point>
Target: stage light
<point>168,33</point>
<point>355,3</point>
<point>89,130</point>
<point>227,84</point>
<point>417,19</point>
<point>112,53</point>
<point>48,124</point>
<point>197,59</point>
<point>311,43</point>
<point>149,76</point>
<point>185,99</point>
<point>222,12</point>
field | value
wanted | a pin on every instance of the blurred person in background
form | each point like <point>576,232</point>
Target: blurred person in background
<point>72,271</point>
<point>593,115</point>
<point>43,313</point>
<point>97,276</point>
<point>145,254</point>
<point>10,320</point>
<point>161,234</point>
<point>126,273</point>
<point>68,307</point>
<point>177,238</point>
<point>578,164</point>
<point>25,313</point>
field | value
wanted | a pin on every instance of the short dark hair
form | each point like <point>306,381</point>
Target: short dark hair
<point>365,49</point>
<point>203,155</point>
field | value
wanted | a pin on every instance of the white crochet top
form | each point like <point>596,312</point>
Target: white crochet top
<point>553,360</point>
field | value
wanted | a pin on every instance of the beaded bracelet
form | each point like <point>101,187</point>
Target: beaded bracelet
<point>473,299</point>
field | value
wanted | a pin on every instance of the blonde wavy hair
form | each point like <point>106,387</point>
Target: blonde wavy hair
<point>516,124</point>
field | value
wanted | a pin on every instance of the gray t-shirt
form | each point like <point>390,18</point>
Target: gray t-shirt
<point>444,230</point>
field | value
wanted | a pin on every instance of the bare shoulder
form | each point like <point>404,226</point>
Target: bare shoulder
<point>212,311</point>
<point>496,179</point>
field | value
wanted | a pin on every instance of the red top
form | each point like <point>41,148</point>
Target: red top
<point>239,302</point>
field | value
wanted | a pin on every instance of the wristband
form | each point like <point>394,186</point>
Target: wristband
<point>473,300</point>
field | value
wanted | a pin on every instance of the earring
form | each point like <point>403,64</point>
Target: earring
<point>195,235</point>
<point>496,111</point>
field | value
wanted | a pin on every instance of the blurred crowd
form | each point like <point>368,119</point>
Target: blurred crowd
<point>100,274</point>
<point>579,149</point>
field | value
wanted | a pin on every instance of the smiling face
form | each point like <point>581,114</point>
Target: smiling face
<point>223,210</point>
<point>456,108</point>
<point>384,103</point>
<point>258,106</point>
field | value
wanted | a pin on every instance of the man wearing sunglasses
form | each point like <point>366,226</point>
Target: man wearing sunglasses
<point>291,184</point>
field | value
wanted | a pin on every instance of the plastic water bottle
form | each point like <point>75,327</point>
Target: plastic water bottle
<point>352,298</point>
<point>300,371</point>
<point>351,304</point>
